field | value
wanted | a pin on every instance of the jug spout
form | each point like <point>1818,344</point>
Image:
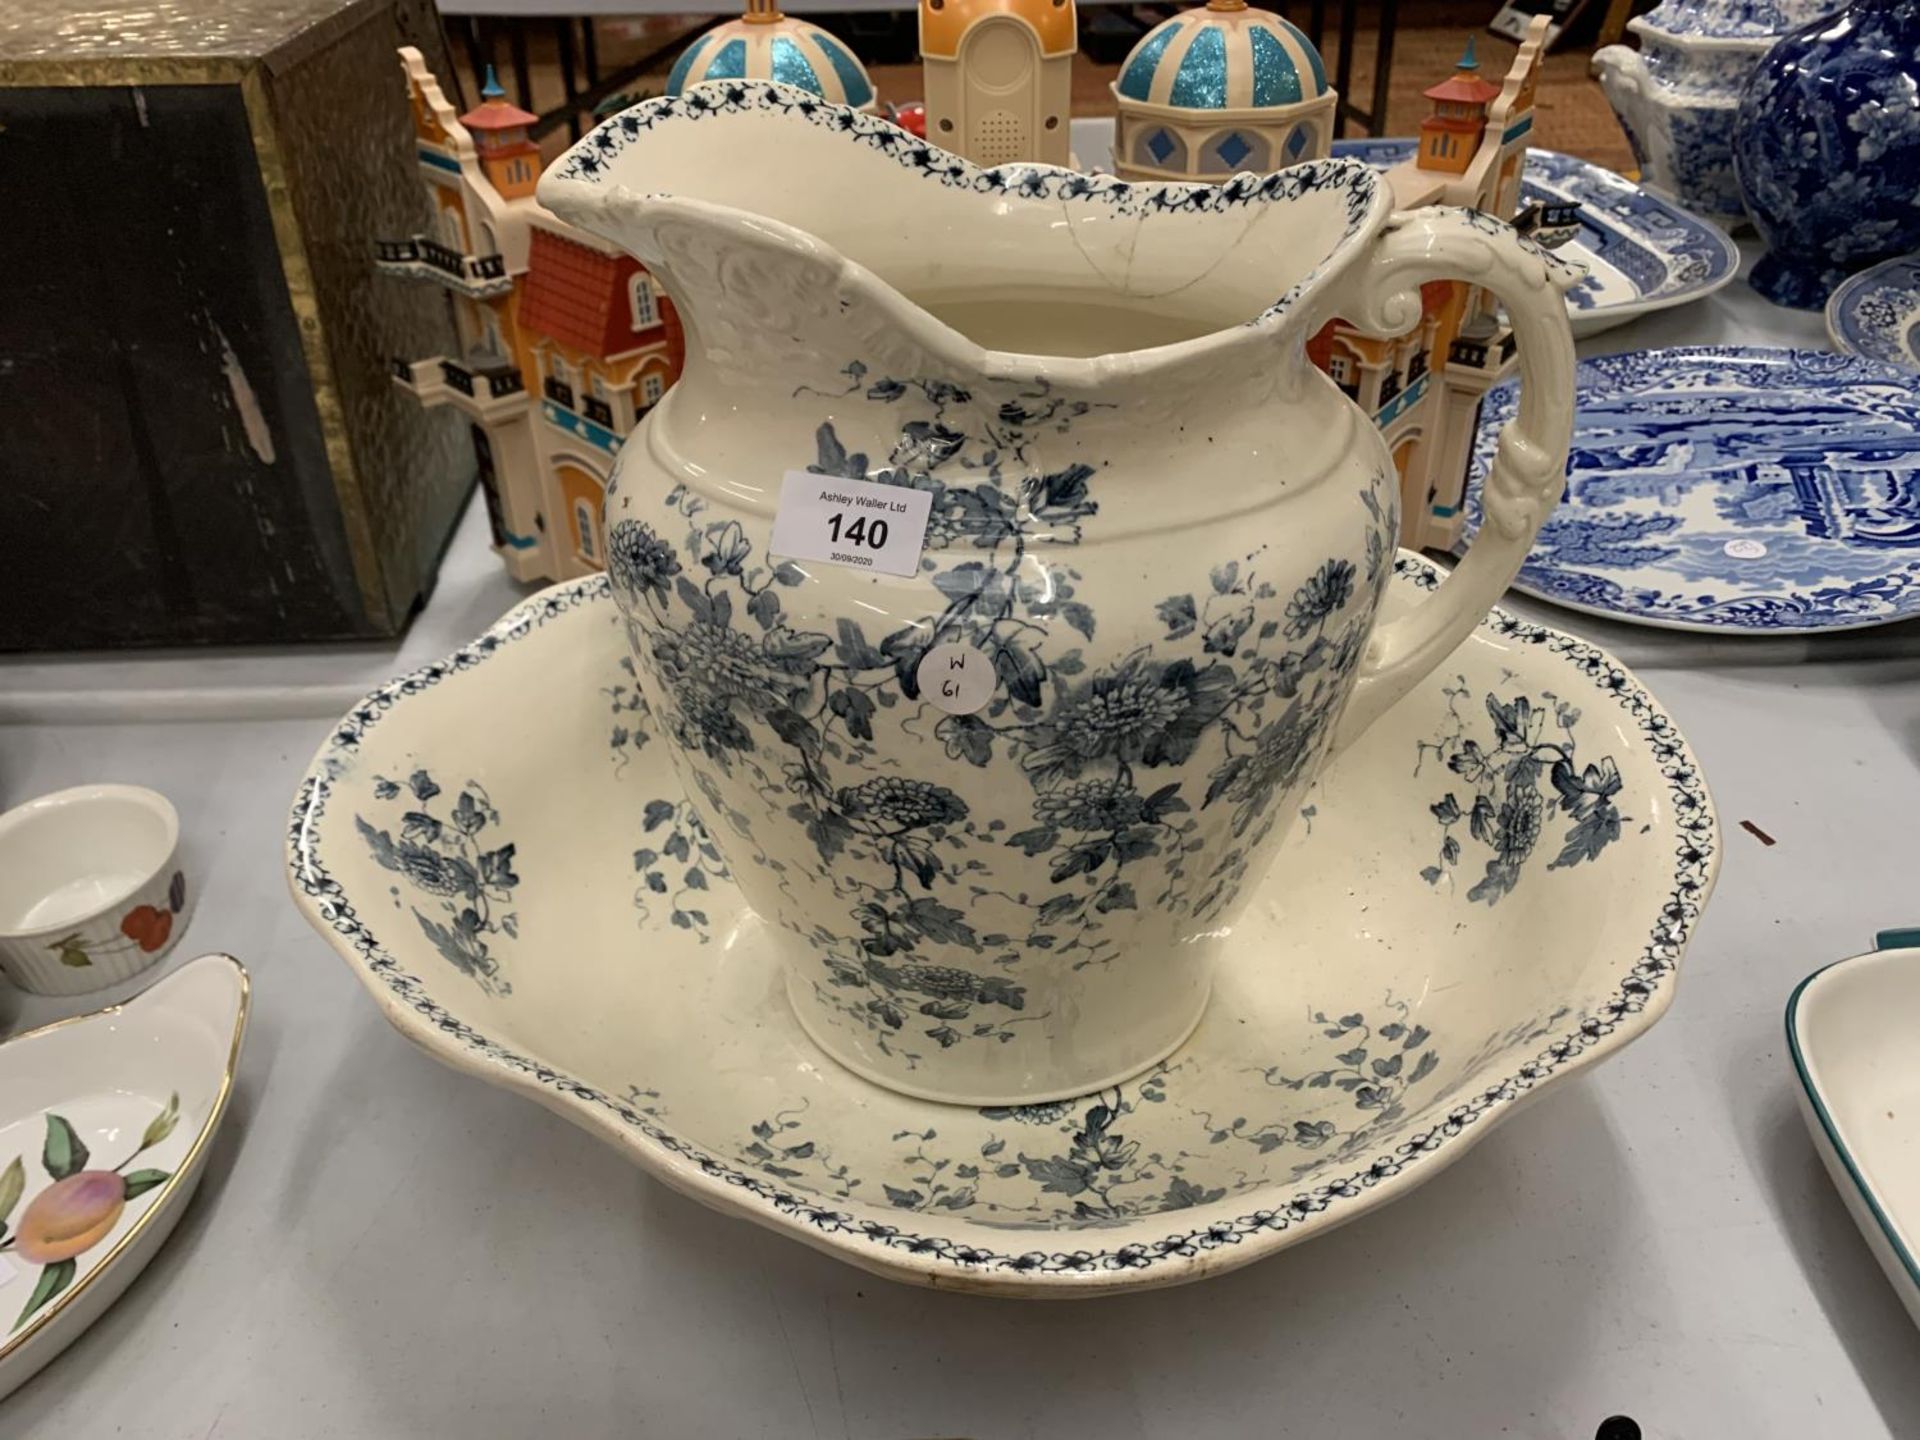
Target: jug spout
<point>762,302</point>
<point>790,232</point>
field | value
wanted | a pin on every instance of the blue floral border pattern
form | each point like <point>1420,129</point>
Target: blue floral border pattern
<point>1694,861</point>
<point>589,159</point>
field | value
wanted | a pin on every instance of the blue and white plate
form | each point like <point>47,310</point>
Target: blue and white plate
<point>1877,313</point>
<point>1642,253</point>
<point>1731,489</point>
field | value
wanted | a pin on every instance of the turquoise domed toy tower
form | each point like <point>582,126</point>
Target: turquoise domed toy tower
<point>1217,90</point>
<point>763,44</point>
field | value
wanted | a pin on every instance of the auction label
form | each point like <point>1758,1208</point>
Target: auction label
<point>957,678</point>
<point>854,523</point>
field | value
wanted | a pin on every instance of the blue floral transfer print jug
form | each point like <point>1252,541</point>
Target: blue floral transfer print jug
<point>1158,532</point>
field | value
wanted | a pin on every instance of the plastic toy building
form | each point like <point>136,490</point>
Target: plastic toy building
<point>1222,89</point>
<point>565,342</point>
<point>1218,90</point>
<point>763,44</point>
<point>999,78</point>
<point>1424,389</point>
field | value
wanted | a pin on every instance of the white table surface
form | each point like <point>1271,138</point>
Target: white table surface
<point>384,1249</point>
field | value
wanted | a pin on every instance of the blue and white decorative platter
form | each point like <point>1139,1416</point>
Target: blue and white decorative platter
<point>1642,253</point>
<point>1491,891</point>
<point>1877,313</point>
<point>1731,489</point>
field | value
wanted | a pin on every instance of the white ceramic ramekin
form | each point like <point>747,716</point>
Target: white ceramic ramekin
<point>91,889</point>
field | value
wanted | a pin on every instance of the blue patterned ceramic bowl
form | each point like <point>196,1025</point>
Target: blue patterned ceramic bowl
<point>1877,313</point>
<point>1493,890</point>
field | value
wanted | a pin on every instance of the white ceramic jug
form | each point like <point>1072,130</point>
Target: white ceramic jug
<point>1004,809</point>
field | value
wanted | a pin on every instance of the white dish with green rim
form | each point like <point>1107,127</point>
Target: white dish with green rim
<point>105,1124</point>
<point>1850,1029</point>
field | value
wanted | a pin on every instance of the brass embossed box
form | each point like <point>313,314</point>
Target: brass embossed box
<point>199,439</point>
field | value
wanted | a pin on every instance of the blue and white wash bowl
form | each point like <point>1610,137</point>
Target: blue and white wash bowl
<point>1488,893</point>
<point>1676,95</point>
<point>1827,150</point>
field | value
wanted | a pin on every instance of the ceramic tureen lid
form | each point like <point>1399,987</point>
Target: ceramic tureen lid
<point>1730,19</point>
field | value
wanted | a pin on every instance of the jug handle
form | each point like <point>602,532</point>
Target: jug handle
<point>1529,466</point>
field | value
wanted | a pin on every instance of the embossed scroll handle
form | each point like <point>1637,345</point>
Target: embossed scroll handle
<point>1528,469</point>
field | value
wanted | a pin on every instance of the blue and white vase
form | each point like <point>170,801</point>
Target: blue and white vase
<point>1676,95</point>
<point>1827,149</point>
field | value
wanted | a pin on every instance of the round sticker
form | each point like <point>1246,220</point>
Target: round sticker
<point>956,678</point>
<point>1745,549</point>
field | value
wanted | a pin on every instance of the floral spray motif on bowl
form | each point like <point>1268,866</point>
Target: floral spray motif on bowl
<point>1513,788</point>
<point>1084,1160</point>
<point>677,863</point>
<point>468,880</point>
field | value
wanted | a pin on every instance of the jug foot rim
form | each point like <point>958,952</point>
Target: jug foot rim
<point>802,1012</point>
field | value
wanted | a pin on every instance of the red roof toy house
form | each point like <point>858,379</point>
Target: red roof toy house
<point>566,342</point>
